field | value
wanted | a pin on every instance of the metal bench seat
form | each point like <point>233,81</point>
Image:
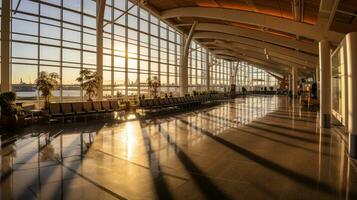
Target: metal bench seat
<point>54,111</point>
<point>98,107</point>
<point>106,106</point>
<point>88,108</point>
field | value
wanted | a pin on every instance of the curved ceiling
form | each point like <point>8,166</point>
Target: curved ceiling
<point>277,33</point>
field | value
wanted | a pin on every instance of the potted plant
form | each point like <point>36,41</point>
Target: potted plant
<point>45,84</point>
<point>154,85</point>
<point>10,112</point>
<point>90,82</point>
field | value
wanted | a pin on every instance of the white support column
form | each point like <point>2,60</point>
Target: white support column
<point>182,75</point>
<point>184,62</point>
<point>325,84</point>
<point>317,79</point>
<point>351,46</point>
<point>289,82</point>
<point>234,72</point>
<point>100,18</point>
<point>294,75</point>
<point>231,71</point>
<point>208,66</point>
<point>5,47</point>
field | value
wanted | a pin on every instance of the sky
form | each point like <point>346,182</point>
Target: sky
<point>25,28</point>
<point>28,72</point>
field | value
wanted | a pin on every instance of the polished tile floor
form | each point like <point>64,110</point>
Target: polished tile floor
<point>259,147</point>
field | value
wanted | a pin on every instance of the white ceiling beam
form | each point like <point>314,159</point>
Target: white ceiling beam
<point>242,43</point>
<point>283,64</point>
<point>277,66</point>
<point>257,19</point>
<point>261,36</point>
<point>227,57</point>
<point>238,47</point>
<point>257,63</point>
<point>326,14</point>
<point>305,59</point>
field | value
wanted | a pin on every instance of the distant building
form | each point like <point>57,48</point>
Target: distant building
<point>23,87</point>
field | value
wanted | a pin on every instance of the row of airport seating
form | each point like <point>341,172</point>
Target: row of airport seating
<point>181,102</point>
<point>263,92</point>
<point>218,96</point>
<point>83,109</point>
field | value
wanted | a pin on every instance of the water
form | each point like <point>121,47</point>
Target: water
<point>33,94</point>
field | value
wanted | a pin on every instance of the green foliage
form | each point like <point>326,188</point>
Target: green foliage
<point>154,85</point>
<point>7,97</point>
<point>90,82</point>
<point>46,83</point>
<point>8,105</point>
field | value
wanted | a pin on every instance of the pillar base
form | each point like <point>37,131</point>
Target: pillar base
<point>325,121</point>
<point>352,145</point>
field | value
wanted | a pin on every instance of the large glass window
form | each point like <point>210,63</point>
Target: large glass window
<point>337,66</point>
<point>60,36</point>
<point>52,38</point>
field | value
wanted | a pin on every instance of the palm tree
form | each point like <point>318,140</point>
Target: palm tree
<point>90,82</point>
<point>46,83</point>
<point>154,84</point>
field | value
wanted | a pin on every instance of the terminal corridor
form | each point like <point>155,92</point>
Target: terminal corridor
<point>257,147</point>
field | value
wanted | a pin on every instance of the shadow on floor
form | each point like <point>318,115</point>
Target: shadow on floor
<point>295,176</point>
<point>161,186</point>
<point>295,137</point>
<point>208,188</point>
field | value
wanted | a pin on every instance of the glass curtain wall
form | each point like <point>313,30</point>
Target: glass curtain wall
<point>52,36</point>
<point>220,70</point>
<point>60,36</point>
<point>138,46</point>
<point>253,78</point>
<point>197,67</point>
<point>338,67</point>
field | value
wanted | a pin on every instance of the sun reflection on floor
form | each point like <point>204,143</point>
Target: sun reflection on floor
<point>227,150</point>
